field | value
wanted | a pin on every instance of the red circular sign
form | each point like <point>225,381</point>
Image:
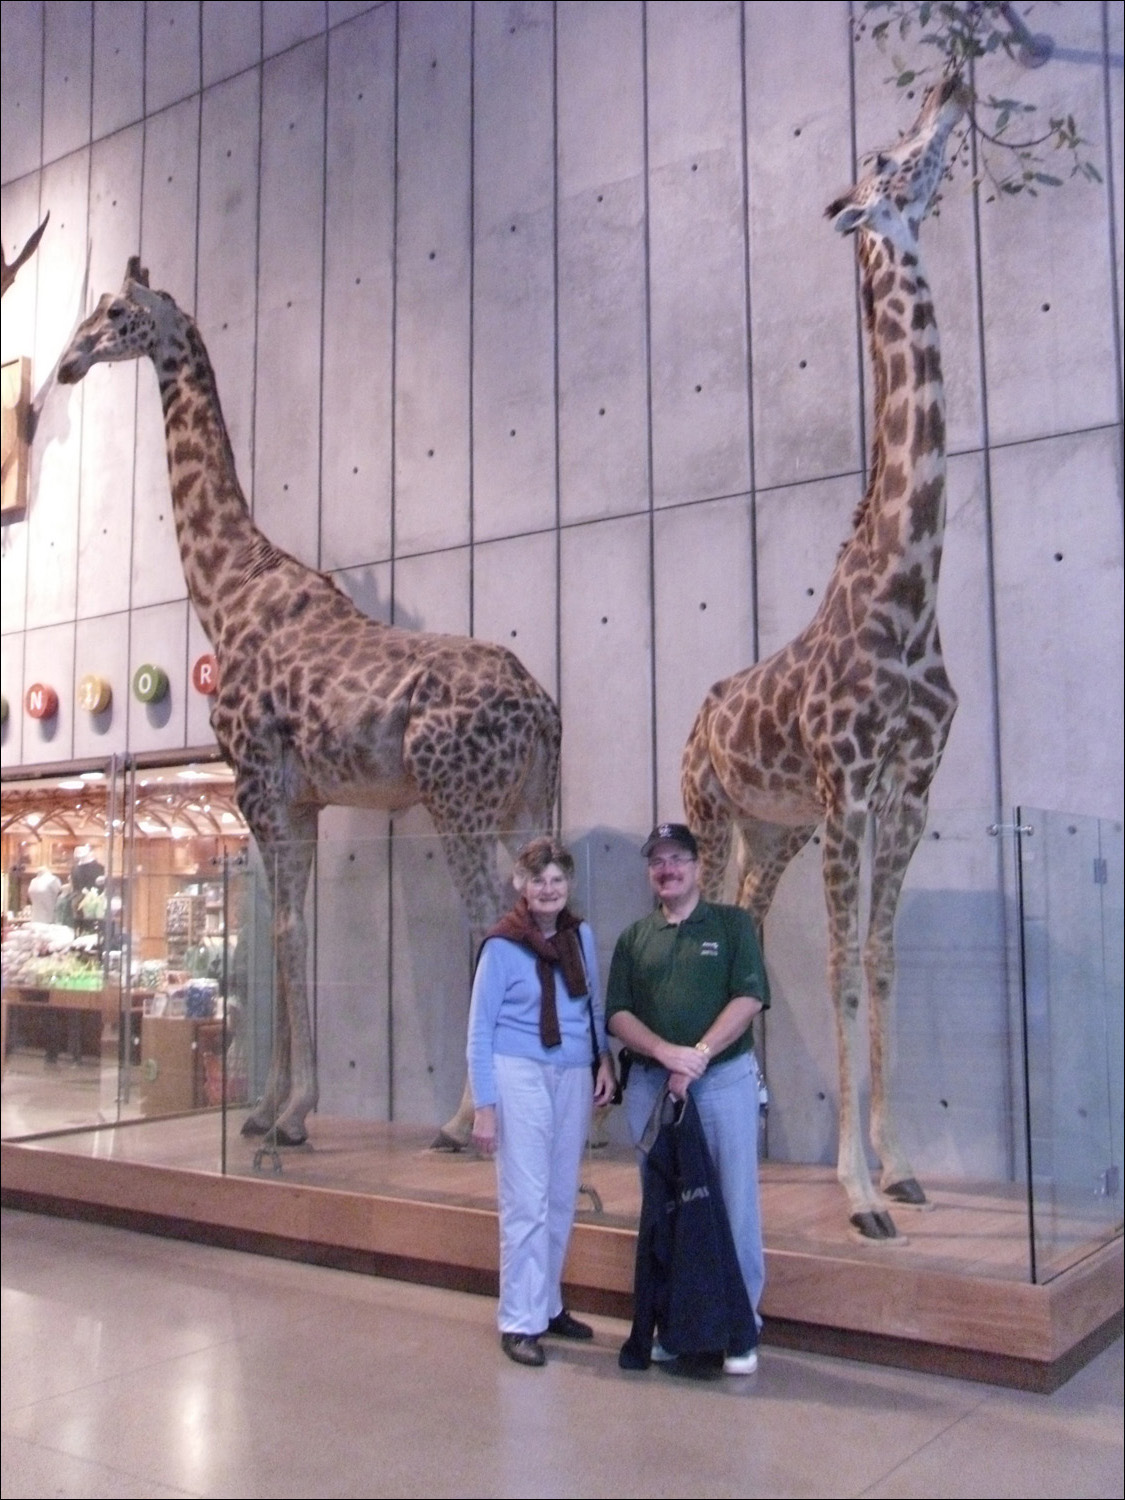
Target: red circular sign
<point>41,701</point>
<point>205,676</point>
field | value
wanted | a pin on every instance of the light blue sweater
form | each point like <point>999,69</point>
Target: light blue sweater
<point>504,1014</point>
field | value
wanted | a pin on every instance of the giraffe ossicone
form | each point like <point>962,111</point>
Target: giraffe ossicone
<point>846,725</point>
<point>320,705</point>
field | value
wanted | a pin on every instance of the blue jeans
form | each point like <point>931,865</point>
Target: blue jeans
<point>727,1099</point>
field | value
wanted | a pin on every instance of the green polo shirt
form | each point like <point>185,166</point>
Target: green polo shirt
<point>676,978</point>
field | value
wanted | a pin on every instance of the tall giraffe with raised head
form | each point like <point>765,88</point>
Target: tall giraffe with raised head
<point>318,704</point>
<point>846,724</point>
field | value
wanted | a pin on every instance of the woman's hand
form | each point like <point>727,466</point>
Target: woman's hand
<point>484,1130</point>
<point>605,1084</point>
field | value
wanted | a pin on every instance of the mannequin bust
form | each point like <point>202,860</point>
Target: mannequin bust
<point>43,894</point>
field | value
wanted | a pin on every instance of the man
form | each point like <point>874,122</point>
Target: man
<point>684,986</point>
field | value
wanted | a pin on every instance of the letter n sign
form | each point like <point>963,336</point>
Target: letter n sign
<point>41,702</point>
<point>205,676</point>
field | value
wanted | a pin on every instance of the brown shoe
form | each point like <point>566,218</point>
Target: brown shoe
<point>524,1348</point>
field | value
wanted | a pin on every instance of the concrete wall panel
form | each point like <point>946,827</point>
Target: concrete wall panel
<point>287,424</point>
<point>119,65</point>
<point>433,271</point>
<point>49,659</point>
<point>231,39</point>
<point>285,23</point>
<point>356,500</point>
<point>803,308</point>
<point>704,621</point>
<point>1114,153</point>
<point>68,39</point>
<point>101,649</point>
<point>513,270</point>
<point>800,530</point>
<point>431,592</point>
<point>515,597</point>
<point>158,638</point>
<point>354,1050</point>
<point>108,394</point>
<point>967,776</point>
<point>606,690</point>
<point>21,90</point>
<point>172,45</point>
<point>369,589</point>
<point>430,980</point>
<point>1059,620</point>
<point>169,214</point>
<point>1049,332</point>
<point>228,253</point>
<point>52,510</point>
<point>198,705</point>
<point>21,216</point>
<point>700,415</point>
<point>603,338</point>
<point>12,686</point>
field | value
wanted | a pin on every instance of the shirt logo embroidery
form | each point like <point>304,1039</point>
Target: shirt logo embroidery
<point>709,950</point>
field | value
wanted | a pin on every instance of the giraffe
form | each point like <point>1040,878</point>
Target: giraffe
<point>846,724</point>
<point>318,704</point>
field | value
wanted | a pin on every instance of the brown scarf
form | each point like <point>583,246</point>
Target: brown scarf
<point>564,949</point>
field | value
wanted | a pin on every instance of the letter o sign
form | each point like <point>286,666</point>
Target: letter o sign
<point>205,676</point>
<point>150,683</point>
<point>41,702</point>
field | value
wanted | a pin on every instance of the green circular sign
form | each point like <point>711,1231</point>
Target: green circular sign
<point>150,683</point>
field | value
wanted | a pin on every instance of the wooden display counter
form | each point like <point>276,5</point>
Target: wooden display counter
<point>175,1071</point>
<point>63,1020</point>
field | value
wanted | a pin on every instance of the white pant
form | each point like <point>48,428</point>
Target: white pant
<point>542,1120</point>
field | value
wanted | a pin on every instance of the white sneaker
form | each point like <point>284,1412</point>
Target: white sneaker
<point>662,1356</point>
<point>739,1364</point>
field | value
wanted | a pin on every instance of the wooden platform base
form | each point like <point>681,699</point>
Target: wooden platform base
<point>955,1299</point>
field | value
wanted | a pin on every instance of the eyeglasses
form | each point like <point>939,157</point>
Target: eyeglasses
<point>673,861</point>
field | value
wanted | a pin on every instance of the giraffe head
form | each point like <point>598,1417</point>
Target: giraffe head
<point>126,326</point>
<point>892,199</point>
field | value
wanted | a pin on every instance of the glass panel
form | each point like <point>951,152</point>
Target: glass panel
<point>113,1013</point>
<point>66,1025</point>
<point>1070,871</point>
<point>390,973</point>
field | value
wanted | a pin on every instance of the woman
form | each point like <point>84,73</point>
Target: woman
<point>536,1025</point>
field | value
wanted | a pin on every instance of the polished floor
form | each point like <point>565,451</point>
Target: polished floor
<point>137,1366</point>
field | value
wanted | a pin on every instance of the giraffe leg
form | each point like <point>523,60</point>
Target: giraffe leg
<point>897,832</point>
<point>472,863</point>
<point>708,809</point>
<point>843,847</point>
<point>288,842</point>
<point>766,852</point>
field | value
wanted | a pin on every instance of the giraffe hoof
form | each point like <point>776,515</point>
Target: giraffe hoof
<point>875,1224</point>
<point>296,1136</point>
<point>908,1191</point>
<point>443,1141</point>
<point>252,1126</point>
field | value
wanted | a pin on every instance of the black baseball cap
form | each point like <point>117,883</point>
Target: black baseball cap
<point>671,833</point>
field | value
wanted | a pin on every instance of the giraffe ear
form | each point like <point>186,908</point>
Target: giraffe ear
<point>134,271</point>
<point>845,216</point>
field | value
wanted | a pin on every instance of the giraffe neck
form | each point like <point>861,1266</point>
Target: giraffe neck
<point>220,547</point>
<point>901,522</point>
